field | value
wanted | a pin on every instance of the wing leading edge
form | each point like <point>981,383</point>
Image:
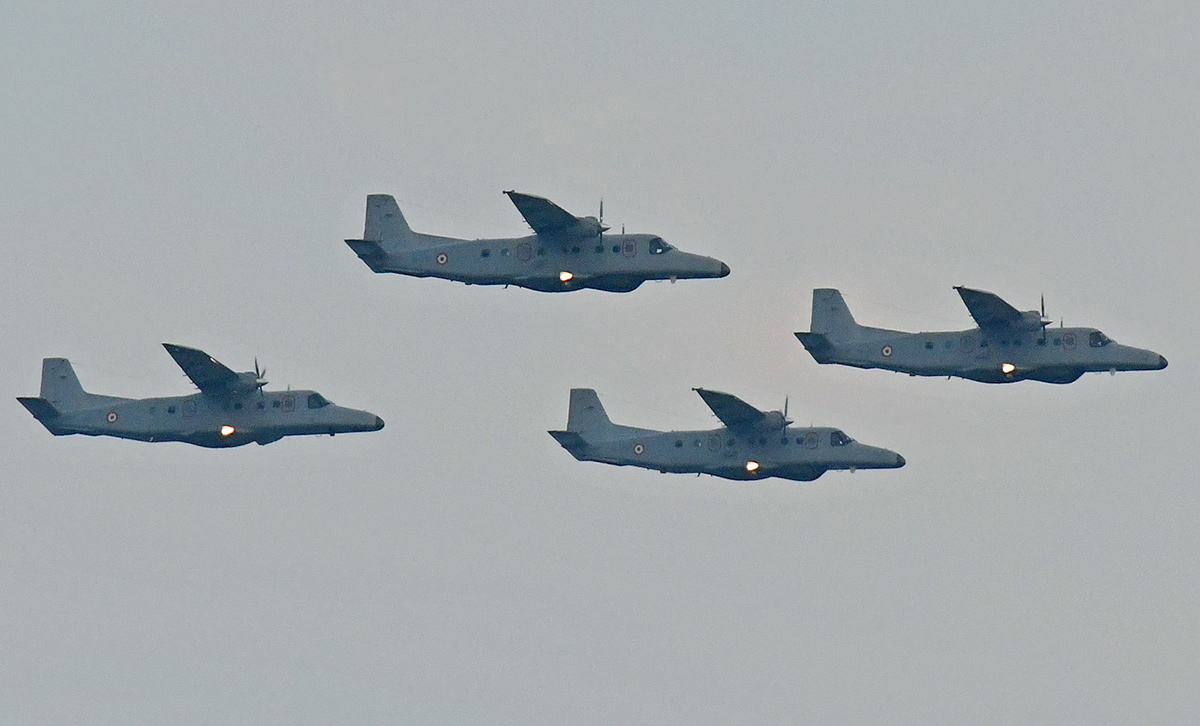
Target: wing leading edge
<point>988,309</point>
<point>543,215</point>
<point>733,411</point>
<point>206,372</point>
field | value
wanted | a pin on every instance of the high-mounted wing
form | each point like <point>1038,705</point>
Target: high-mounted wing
<point>543,215</point>
<point>204,370</point>
<point>988,309</point>
<point>733,411</point>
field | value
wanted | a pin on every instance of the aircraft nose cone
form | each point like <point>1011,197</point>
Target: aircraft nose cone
<point>899,461</point>
<point>724,270</point>
<point>1162,362</point>
<point>378,423</point>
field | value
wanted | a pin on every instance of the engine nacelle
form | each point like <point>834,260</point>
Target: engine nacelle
<point>1032,320</point>
<point>589,227</point>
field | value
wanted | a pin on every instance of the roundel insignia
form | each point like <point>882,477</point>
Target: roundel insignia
<point>111,417</point>
<point>886,351</point>
<point>441,258</point>
<point>639,449</point>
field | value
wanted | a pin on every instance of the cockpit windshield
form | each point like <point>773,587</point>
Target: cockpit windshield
<point>657,246</point>
<point>837,438</point>
<point>316,400</point>
<point>1098,339</point>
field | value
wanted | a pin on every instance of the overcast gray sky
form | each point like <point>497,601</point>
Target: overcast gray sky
<point>186,172</point>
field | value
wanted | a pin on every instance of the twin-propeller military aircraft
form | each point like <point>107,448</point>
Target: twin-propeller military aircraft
<point>565,252</point>
<point>1009,345</point>
<point>752,444</point>
<point>231,409</point>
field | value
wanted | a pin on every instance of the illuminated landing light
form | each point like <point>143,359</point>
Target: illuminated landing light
<point>227,430</point>
<point>1007,368</point>
<point>751,466</point>
<point>565,276</point>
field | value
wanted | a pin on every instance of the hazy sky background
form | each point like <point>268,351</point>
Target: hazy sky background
<point>186,172</point>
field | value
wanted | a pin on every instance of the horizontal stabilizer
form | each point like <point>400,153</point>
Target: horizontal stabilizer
<point>818,344</point>
<point>370,252</point>
<point>44,412</point>
<point>41,409</point>
<point>570,440</point>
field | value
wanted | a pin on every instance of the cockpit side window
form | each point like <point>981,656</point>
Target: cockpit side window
<point>316,400</point>
<point>837,438</point>
<point>1098,339</point>
<point>657,246</point>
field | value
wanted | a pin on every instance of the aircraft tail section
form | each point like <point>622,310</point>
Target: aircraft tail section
<point>586,414</point>
<point>385,222</point>
<point>830,314</point>
<point>60,386</point>
<point>61,389</point>
<point>43,411</point>
<point>831,318</point>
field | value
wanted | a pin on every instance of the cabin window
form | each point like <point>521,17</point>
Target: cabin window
<point>238,406</point>
<point>316,400</point>
<point>929,345</point>
<point>1098,339</point>
<point>657,246</point>
<point>504,252</point>
<point>616,249</point>
<point>275,403</point>
<point>170,409</point>
<point>575,250</point>
<point>1042,342</point>
<point>837,438</point>
<point>784,441</point>
<point>485,253</point>
<point>541,251</point>
<point>698,443</point>
<point>261,405</point>
<point>679,443</point>
<point>1058,341</point>
<point>153,409</point>
<point>599,249</point>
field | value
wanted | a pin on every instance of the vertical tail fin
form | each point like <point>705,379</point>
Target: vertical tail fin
<point>60,385</point>
<point>586,413</point>
<point>385,222</point>
<point>831,317</point>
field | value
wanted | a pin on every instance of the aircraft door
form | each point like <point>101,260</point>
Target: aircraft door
<point>629,248</point>
<point>714,442</point>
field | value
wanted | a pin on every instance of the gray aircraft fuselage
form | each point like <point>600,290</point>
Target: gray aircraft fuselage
<point>741,453</point>
<point>559,260</point>
<point>993,355</point>
<point>208,420</point>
